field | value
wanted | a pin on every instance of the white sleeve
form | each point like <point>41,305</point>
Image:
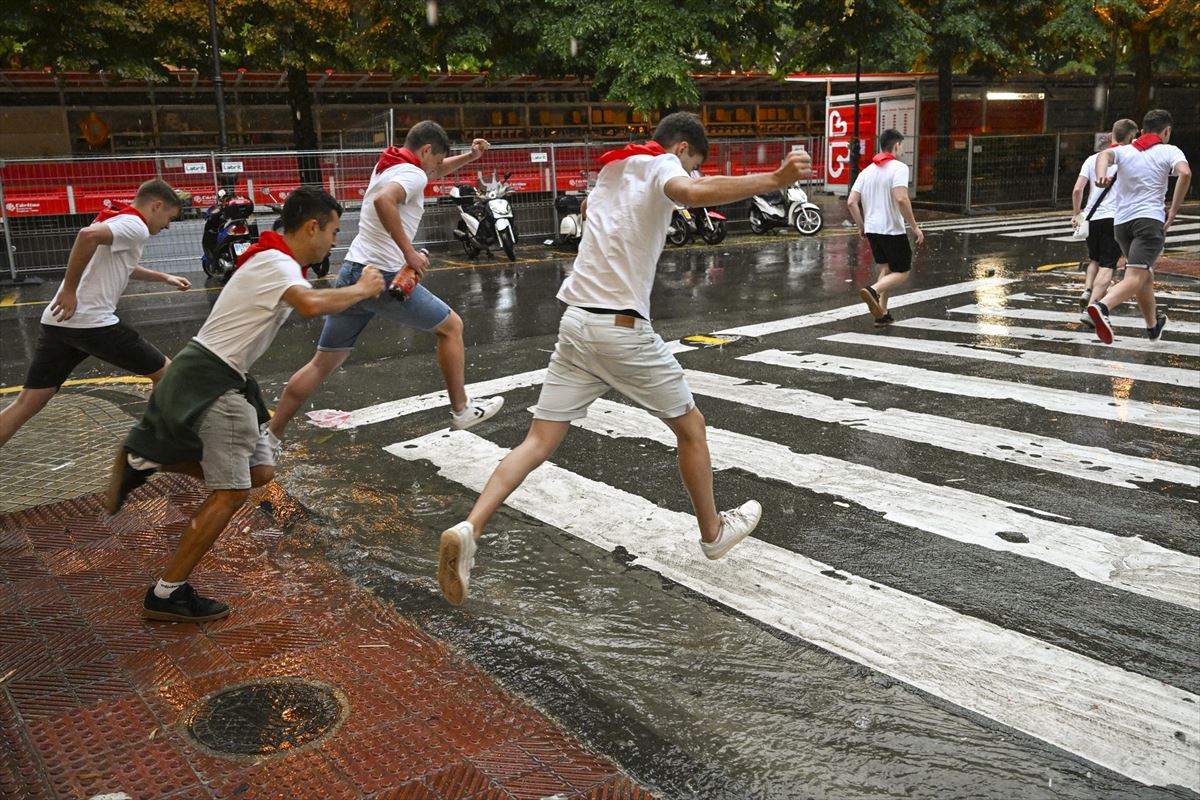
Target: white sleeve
<point>279,275</point>
<point>1083,168</point>
<point>127,232</point>
<point>413,181</point>
<point>900,175</point>
<point>1177,158</point>
<point>666,169</point>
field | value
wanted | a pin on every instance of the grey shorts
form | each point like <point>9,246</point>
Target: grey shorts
<point>594,354</point>
<point>233,443</point>
<point>1141,241</point>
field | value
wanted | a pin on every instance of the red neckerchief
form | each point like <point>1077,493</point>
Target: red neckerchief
<point>1146,141</point>
<point>396,155</point>
<point>882,158</point>
<point>267,240</point>
<point>650,148</point>
<point>108,213</point>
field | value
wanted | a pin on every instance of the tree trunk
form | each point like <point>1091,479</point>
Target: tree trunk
<point>304,134</point>
<point>1143,68</point>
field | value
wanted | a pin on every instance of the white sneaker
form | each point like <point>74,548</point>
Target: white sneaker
<point>475,412</point>
<point>736,524</point>
<point>456,557</point>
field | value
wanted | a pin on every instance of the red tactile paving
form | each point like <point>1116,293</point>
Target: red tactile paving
<point>92,697</point>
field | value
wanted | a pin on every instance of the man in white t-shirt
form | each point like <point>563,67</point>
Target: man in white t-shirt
<point>605,340</point>
<point>1104,254</point>
<point>391,214</point>
<point>206,418</point>
<point>882,189</point>
<point>81,320</point>
<point>1140,223</point>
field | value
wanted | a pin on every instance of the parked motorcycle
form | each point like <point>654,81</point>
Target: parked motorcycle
<point>570,219</point>
<point>229,230</point>
<point>682,228</point>
<point>711,225</point>
<point>784,210</point>
<point>276,205</point>
<point>485,217</point>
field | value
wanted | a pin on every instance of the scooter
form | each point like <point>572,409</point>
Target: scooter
<point>485,217</point>
<point>784,210</point>
<point>276,205</point>
<point>682,228</point>
<point>570,220</point>
<point>711,225</point>
<point>229,230</point>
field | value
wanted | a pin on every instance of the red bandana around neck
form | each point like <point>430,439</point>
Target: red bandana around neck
<point>396,155</point>
<point>1147,140</point>
<point>267,240</point>
<point>650,148</point>
<point>882,158</point>
<point>109,213</point>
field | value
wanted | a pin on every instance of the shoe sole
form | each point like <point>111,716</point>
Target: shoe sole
<point>713,556</point>
<point>1103,330</point>
<point>475,422</point>
<point>111,503</point>
<point>452,587</point>
<point>871,302</point>
<point>163,616</point>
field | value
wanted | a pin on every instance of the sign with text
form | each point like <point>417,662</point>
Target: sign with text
<point>195,168</point>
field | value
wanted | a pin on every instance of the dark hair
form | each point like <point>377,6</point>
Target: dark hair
<point>1157,120</point>
<point>157,189</point>
<point>682,126</point>
<point>888,139</point>
<point>427,132</point>
<point>1122,129</point>
<point>305,203</point>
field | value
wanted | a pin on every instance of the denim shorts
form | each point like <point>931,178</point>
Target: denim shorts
<point>594,355</point>
<point>423,310</point>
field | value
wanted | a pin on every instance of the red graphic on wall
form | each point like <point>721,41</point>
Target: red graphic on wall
<point>839,130</point>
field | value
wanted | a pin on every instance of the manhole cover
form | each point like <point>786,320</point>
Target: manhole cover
<point>266,717</point>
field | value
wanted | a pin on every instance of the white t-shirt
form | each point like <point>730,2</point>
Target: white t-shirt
<point>106,275</point>
<point>373,244</point>
<point>628,214</point>
<point>1106,209</point>
<point>1140,190</point>
<point>250,310</point>
<point>881,213</point>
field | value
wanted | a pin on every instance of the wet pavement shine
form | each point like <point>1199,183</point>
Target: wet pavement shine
<point>977,573</point>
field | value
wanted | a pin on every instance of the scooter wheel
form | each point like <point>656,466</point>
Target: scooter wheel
<point>757,225</point>
<point>809,221</point>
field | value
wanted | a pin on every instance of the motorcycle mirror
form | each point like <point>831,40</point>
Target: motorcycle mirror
<point>220,192</point>
<point>507,175</point>
<point>454,191</point>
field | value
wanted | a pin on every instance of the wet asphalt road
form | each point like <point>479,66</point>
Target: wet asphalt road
<point>697,695</point>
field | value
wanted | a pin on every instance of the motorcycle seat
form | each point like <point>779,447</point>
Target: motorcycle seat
<point>774,198</point>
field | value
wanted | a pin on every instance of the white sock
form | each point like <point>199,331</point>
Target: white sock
<point>163,589</point>
<point>137,462</point>
<point>466,409</point>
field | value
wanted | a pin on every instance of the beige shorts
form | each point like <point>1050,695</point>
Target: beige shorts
<point>594,354</point>
<point>232,442</point>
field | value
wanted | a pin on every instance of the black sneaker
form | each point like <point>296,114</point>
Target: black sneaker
<point>184,605</point>
<point>1155,333</point>
<point>123,480</point>
<point>1099,314</point>
<point>884,321</point>
<point>871,298</point>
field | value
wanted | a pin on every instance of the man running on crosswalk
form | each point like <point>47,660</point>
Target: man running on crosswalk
<point>1104,253</point>
<point>605,340</point>
<point>1140,223</point>
<point>882,189</point>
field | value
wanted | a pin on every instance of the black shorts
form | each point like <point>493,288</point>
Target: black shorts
<point>61,349</point>
<point>1102,245</point>
<point>891,249</point>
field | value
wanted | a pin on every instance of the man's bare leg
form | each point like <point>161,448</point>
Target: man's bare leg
<point>695,468</point>
<point>452,359</point>
<point>540,442</point>
<point>302,384</point>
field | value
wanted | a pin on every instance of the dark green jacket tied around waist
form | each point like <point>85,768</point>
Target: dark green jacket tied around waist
<point>169,431</point>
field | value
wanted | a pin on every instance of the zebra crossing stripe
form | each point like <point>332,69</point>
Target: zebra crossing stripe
<point>1165,294</point>
<point>1173,235</point>
<point>1118,719</point>
<point>1134,412</point>
<point>950,224</point>
<point>1177,347</point>
<point>858,309</point>
<point>1028,225</point>
<point>1000,444</point>
<point>1171,376</point>
<point>1173,326</point>
<point>1068,300</point>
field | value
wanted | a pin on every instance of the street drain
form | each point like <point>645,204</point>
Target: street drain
<point>265,717</point>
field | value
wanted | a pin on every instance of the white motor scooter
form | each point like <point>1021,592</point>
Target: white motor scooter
<point>784,210</point>
<point>485,217</point>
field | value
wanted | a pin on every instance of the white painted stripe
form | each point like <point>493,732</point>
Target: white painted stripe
<point>1173,235</point>
<point>1123,562</point>
<point>1120,720</point>
<point>381,412</point>
<point>1000,444</point>
<point>1167,294</point>
<point>1110,368</point>
<point>990,329</point>
<point>1173,241</point>
<point>1030,225</point>
<point>1174,326</point>
<point>1134,412</point>
<point>858,309</point>
<point>1058,229</point>
<point>947,224</point>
